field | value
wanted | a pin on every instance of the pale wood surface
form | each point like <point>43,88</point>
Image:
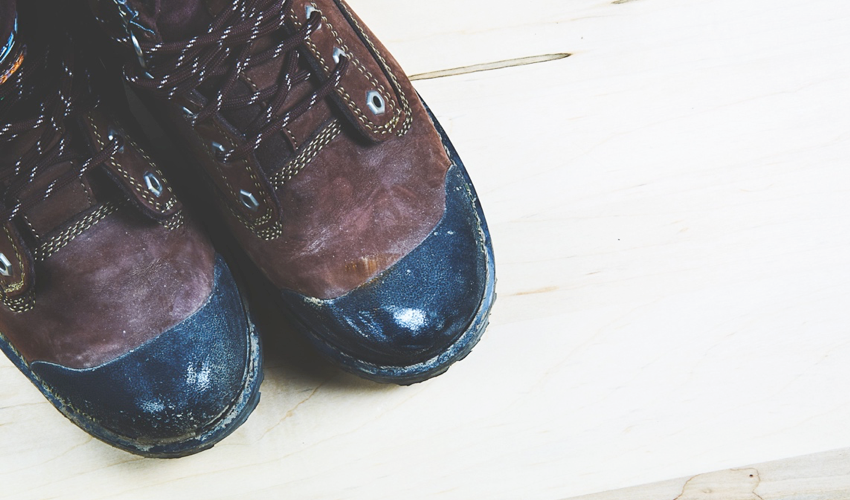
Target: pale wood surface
<point>822,476</point>
<point>669,207</point>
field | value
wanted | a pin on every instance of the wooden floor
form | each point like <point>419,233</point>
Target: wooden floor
<point>670,210</point>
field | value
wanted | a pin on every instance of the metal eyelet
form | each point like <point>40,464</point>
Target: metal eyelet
<point>249,200</point>
<point>309,9</point>
<point>375,102</point>
<point>128,17</point>
<point>338,52</point>
<point>137,48</point>
<point>112,135</point>
<point>153,183</point>
<point>5,265</point>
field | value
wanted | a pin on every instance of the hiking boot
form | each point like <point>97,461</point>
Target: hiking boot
<point>114,303</point>
<point>327,168</point>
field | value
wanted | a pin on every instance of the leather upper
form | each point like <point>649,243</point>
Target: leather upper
<point>389,322</point>
<point>333,209</point>
<point>114,303</point>
<point>101,264</point>
<point>176,384</point>
<point>112,288</point>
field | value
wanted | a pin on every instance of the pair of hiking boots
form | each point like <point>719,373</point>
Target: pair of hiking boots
<point>324,165</point>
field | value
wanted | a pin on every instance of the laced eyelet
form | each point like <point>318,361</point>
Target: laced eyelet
<point>5,265</point>
<point>112,135</point>
<point>153,183</point>
<point>137,48</point>
<point>249,200</point>
<point>338,52</point>
<point>309,9</point>
<point>375,102</point>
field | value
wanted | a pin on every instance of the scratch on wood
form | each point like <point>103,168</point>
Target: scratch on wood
<point>475,68</point>
<point>292,410</point>
<point>538,290</point>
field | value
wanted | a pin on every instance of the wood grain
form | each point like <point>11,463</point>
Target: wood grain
<point>669,208</point>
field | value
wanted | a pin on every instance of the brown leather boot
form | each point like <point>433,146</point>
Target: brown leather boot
<point>328,170</point>
<point>114,303</point>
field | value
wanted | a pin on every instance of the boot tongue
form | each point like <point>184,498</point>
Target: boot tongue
<point>181,19</point>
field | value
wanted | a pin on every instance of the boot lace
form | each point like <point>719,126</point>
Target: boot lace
<point>176,68</point>
<point>33,97</point>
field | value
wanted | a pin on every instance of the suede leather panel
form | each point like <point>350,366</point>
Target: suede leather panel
<point>357,209</point>
<point>88,313</point>
<point>62,204</point>
<point>358,206</point>
<point>354,211</point>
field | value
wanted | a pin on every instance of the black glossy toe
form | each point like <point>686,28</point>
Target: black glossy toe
<point>421,305</point>
<point>176,385</point>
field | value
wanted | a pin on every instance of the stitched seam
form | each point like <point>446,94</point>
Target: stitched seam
<point>162,178</point>
<point>267,216</point>
<point>408,121</point>
<point>22,304</point>
<point>59,241</point>
<point>291,137</point>
<point>173,222</point>
<point>86,191</point>
<point>252,225</point>
<point>26,219</point>
<point>307,154</point>
<point>148,197</point>
<point>378,129</point>
<point>267,234</point>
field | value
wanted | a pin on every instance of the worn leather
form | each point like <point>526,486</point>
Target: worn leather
<point>80,291</point>
<point>175,384</point>
<point>387,321</point>
<point>365,200</point>
<point>115,305</point>
<point>114,287</point>
<point>352,213</point>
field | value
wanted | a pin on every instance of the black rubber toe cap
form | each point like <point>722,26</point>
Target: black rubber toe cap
<point>175,386</point>
<point>421,305</point>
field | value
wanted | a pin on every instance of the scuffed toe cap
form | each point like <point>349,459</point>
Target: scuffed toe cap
<point>172,388</point>
<point>420,306</point>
